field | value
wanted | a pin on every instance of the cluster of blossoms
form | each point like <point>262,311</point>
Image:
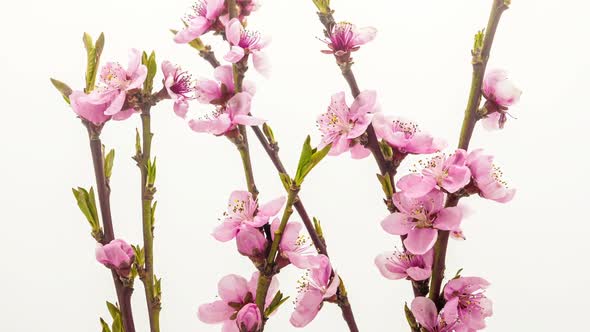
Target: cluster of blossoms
<point>245,221</point>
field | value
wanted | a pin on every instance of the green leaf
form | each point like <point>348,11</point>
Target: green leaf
<point>99,46</point>
<point>304,158</point>
<point>318,227</point>
<point>153,214</point>
<point>286,180</point>
<point>105,326</point>
<point>113,310</point>
<point>92,207</point>
<point>87,204</point>
<point>322,5</point>
<point>137,142</point>
<point>152,67</point>
<point>157,287</point>
<point>109,159</point>
<point>386,184</point>
<point>63,88</point>
<point>458,274</point>
<point>139,254</point>
<point>275,303</point>
<point>410,317</point>
<point>269,133</point>
<point>151,172</point>
<point>90,62</point>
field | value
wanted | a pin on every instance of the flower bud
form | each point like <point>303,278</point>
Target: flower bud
<point>117,255</point>
<point>249,318</point>
<point>251,242</point>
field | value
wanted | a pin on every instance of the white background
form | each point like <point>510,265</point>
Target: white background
<point>533,250</point>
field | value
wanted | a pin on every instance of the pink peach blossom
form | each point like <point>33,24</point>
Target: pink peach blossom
<point>235,293</point>
<point>243,211</point>
<point>321,285</point>
<point>345,38</point>
<point>501,93</point>
<point>117,255</point>
<point>405,137</point>
<point>420,218</point>
<point>488,178</point>
<point>449,173</point>
<point>245,42</point>
<point>251,242</point>
<point>399,265</point>
<point>295,247</point>
<point>249,318</point>
<point>428,317</point>
<point>228,117</point>
<point>466,295</point>
<point>222,88</point>
<point>90,107</point>
<point>118,81</point>
<point>341,125</point>
<point>206,13</point>
<point>180,87</point>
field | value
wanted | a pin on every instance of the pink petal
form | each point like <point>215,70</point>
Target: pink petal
<point>358,151</point>
<point>414,185</point>
<point>397,224</point>
<point>124,114</point>
<point>339,146</point>
<point>261,63</point>
<point>207,90</point>
<point>491,121</point>
<point>425,313</point>
<point>239,104</point>
<point>197,26</point>
<point>457,178</point>
<point>234,55</point>
<point>387,269</point>
<point>215,312</point>
<point>215,126</point>
<point>134,61</point>
<point>306,308</point>
<point>181,108</point>
<point>233,31</point>
<point>214,8</point>
<point>232,288</point>
<point>225,75</point>
<point>303,262</point>
<point>273,207</point>
<point>248,120</point>
<point>418,273</point>
<point>420,240</point>
<point>333,288</point>
<point>363,104</point>
<point>226,231</point>
<point>117,104</point>
<point>230,326</point>
<point>364,35</point>
<point>448,219</point>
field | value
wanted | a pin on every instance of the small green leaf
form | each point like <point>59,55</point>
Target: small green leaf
<point>93,52</point>
<point>157,287</point>
<point>318,227</point>
<point>113,310</point>
<point>458,274</point>
<point>99,45</point>
<point>109,159</point>
<point>139,255</point>
<point>410,317</point>
<point>153,214</point>
<point>269,133</point>
<point>105,326</point>
<point>386,184</point>
<point>310,158</point>
<point>137,143</point>
<point>87,204</point>
<point>63,88</point>
<point>151,172</point>
<point>275,303</point>
<point>152,67</point>
<point>286,180</point>
<point>322,5</point>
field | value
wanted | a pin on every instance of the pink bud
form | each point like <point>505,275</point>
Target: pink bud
<point>499,89</point>
<point>250,241</point>
<point>117,255</point>
<point>249,318</point>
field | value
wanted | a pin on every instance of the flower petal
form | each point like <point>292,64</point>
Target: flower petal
<point>397,224</point>
<point>420,240</point>
<point>214,312</point>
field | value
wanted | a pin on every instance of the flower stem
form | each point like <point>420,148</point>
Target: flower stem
<point>123,292</point>
<point>480,60</point>
<point>147,196</point>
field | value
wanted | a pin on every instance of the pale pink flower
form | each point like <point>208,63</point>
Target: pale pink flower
<point>222,88</point>
<point>243,211</point>
<point>118,81</point>
<point>428,317</point>
<point>235,293</point>
<point>251,242</point>
<point>249,318</point>
<point>180,87</point>
<point>345,38</point>
<point>405,265</point>
<point>501,93</point>
<point>449,173</point>
<point>117,255</point>
<point>341,125</point>
<point>90,107</point>
<point>245,42</point>
<point>420,218</point>
<point>405,137</point>
<point>206,13</point>
<point>321,284</point>
<point>487,178</point>
<point>295,247</point>
<point>466,295</point>
<point>247,7</point>
<point>227,117</point>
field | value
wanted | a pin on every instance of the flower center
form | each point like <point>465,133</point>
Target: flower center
<point>341,37</point>
<point>183,84</point>
<point>114,76</point>
<point>249,39</point>
<point>408,128</point>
